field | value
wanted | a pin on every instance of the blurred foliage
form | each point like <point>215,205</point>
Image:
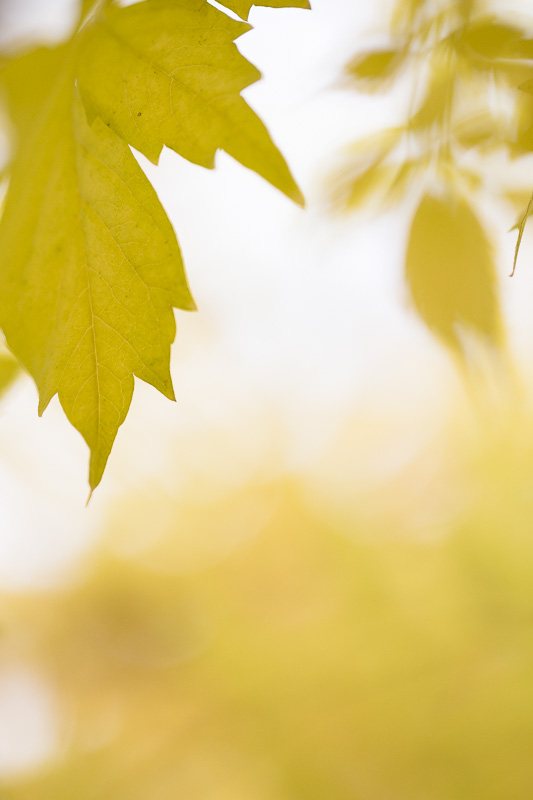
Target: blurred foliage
<point>337,652</point>
<point>470,71</point>
<point>449,270</point>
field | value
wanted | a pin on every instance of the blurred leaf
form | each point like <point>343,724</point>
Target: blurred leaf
<point>404,176</point>
<point>518,198</point>
<point>387,183</point>
<point>372,70</point>
<point>450,271</point>
<point>460,177</point>
<point>495,48</point>
<point>362,171</point>
<point>490,39</point>
<point>472,179</point>
<point>523,48</point>
<point>375,146</point>
<point>406,13</point>
<point>527,86</point>
<point>352,193</point>
<point>436,104</point>
<point>482,131</point>
<point>523,140</point>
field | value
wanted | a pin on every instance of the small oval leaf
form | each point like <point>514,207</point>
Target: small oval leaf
<point>450,271</point>
<point>372,70</point>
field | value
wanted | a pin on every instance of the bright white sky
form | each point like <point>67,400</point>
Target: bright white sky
<point>302,317</point>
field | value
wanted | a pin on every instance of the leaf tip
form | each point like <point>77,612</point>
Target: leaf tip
<point>293,192</point>
<point>299,198</point>
<point>187,302</point>
<point>168,390</point>
<point>43,405</point>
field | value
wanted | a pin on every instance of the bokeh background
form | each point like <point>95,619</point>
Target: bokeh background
<point>312,577</point>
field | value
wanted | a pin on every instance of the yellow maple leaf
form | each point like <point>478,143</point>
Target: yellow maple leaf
<point>91,266</point>
<point>91,269</point>
<point>168,72</point>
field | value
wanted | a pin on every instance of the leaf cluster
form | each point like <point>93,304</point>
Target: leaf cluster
<point>91,269</point>
<point>471,77</point>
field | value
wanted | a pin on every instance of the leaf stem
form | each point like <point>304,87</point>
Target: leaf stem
<point>521,229</point>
